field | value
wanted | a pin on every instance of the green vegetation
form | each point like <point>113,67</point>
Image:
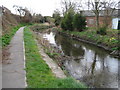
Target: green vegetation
<point>79,22</point>
<point>39,74</point>
<point>56,16</point>
<point>67,21</point>
<point>52,55</point>
<point>110,39</point>
<point>73,21</point>
<point>102,30</point>
<point>49,19</point>
<point>6,38</point>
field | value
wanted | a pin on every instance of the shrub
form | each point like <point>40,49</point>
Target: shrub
<point>57,21</point>
<point>63,24</point>
<point>79,22</point>
<point>56,16</point>
<point>67,22</point>
<point>102,30</point>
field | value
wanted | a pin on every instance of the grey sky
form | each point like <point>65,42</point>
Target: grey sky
<point>44,7</point>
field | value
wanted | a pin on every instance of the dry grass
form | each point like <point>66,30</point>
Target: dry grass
<point>8,21</point>
<point>5,55</point>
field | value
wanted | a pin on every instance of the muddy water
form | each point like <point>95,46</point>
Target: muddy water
<point>89,64</point>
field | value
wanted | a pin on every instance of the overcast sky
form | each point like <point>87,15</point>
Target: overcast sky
<point>44,7</point>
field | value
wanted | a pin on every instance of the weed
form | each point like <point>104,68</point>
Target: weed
<point>52,55</point>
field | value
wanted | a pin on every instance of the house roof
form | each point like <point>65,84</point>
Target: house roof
<point>116,13</point>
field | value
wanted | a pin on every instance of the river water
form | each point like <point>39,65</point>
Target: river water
<point>89,64</point>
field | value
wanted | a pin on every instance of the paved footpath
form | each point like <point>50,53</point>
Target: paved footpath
<point>13,74</point>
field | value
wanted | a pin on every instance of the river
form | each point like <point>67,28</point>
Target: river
<point>90,64</point>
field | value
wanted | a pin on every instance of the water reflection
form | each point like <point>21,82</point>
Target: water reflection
<point>89,64</point>
<point>50,37</point>
<point>69,48</point>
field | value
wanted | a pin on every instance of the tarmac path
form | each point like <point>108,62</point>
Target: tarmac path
<point>13,73</point>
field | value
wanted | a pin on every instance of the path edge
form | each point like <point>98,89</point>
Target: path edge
<point>25,80</point>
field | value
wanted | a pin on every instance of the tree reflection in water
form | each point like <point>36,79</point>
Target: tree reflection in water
<point>88,63</point>
<point>69,47</point>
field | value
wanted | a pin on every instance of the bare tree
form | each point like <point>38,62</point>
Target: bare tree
<point>24,13</point>
<point>109,7</point>
<point>97,6</point>
<point>27,17</point>
<point>67,5</point>
<point>38,18</point>
<point>19,9</point>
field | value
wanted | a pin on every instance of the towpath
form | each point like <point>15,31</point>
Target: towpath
<point>13,73</point>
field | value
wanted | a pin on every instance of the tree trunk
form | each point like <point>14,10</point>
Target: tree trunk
<point>97,20</point>
<point>97,15</point>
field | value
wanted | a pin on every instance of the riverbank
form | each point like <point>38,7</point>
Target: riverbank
<point>109,42</point>
<point>81,60</point>
<point>39,75</point>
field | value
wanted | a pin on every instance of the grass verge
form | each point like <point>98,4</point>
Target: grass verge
<point>39,75</point>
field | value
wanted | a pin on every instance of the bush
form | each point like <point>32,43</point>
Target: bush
<point>63,26</point>
<point>57,21</point>
<point>79,22</point>
<point>48,19</point>
<point>102,30</point>
<point>67,22</point>
<point>71,21</point>
<point>56,16</point>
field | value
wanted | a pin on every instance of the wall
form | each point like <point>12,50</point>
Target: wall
<point>91,21</point>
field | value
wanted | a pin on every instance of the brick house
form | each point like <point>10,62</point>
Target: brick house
<point>91,19</point>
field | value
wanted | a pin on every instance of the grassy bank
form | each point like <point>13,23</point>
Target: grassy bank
<point>6,38</point>
<point>39,74</point>
<point>110,40</point>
